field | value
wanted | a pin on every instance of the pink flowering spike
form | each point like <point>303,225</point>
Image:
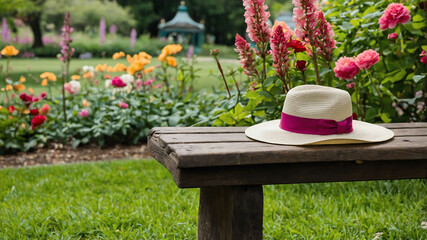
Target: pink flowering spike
<point>102,31</point>
<point>256,18</point>
<point>305,18</point>
<point>324,37</point>
<point>66,39</point>
<point>394,14</point>
<point>246,56</point>
<point>280,52</point>
<point>367,59</point>
<point>346,68</point>
<point>124,105</point>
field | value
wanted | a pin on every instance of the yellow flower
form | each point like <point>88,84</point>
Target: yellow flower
<point>26,111</point>
<point>9,51</point>
<point>171,61</point>
<point>119,68</point>
<point>22,79</point>
<point>75,77</point>
<point>87,74</point>
<point>31,90</point>
<point>8,87</point>
<point>85,103</point>
<point>18,87</point>
<point>148,70</point>
<point>50,76</point>
<point>44,82</point>
<point>118,55</point>
<point>101,68</point>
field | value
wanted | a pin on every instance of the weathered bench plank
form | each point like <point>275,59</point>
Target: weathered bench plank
<point>230,169</point>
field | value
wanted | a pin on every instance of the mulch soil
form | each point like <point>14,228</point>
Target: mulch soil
<point>57,153</point>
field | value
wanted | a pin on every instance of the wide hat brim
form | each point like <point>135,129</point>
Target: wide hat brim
<point>363,132</point>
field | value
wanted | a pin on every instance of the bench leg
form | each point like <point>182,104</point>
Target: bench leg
<point>229,213</point>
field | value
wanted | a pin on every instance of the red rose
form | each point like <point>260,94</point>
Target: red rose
<point>424,60</point>
<point>37,121</point>
<point>34,111</point>
<point>43,95</point>
<point>11,109</point>
<point>298,46</point>
<point>301,65</point>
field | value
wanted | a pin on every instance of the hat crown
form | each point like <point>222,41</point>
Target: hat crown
<point>318,102</point>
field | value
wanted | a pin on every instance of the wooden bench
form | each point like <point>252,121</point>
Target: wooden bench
<point>230,169</point>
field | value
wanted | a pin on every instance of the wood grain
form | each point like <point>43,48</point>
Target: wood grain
<point>302,173</point>
<point>228,213</point>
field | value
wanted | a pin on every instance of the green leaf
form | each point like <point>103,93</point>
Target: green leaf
<point>417,78</point>
<point>252,94</point>
<point>269,80</point>
<point>238,109</point>
<point>345,26</point>
<point>227,118</point>
<point>395,76</point>
<point>266,94</point>
<point>385,118</point>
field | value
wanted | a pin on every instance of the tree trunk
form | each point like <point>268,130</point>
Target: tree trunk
<point>34,23</point>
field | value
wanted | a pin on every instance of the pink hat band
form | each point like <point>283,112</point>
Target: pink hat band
<point>315,126</point>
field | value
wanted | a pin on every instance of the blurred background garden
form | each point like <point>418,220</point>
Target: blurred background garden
<point>86,73</point>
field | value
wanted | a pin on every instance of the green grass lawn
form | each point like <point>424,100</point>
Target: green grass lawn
<point>34,67</point>
<point>138,200</point>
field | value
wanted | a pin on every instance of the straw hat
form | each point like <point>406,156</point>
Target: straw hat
<point>315,115</point>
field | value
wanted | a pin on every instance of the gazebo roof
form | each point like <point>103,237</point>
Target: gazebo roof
<point>182,22</point>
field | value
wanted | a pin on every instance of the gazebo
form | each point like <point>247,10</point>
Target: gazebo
<point>183,28</point>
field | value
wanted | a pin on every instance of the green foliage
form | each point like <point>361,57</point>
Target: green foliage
<point>400,76</point>
<point>138,200</point>
<point>393,90</point>
<point>85,14</point>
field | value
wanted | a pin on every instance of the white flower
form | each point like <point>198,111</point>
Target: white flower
<point>127,78</point>
<point>107,83</point>
<point>87,68</point>
<point>73,87</point>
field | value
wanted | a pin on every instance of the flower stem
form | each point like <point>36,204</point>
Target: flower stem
<point>64,75</point>
<point>375,86</point>
<point>356,91</point>
<point>5,83</point>
<point>316,69</point>
<point>223,77</point>
<point>402,46</point>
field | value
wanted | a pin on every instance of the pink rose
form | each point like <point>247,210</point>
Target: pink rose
<point>149,81</point>
<point>367,59</point>
<point>424,59</point>
<point>138,83</point>
<point>346,68</point>
<point>394,14</point>
<point>392,36</point>
<point>423,53</point>
<point>124,105</point>
<point>351,85</point>
<point>118,82</point>
<point>73,87</point>
<point>84,113</point>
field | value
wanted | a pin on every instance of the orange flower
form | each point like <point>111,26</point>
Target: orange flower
<point>22,79</point>
<point>31,90</point>
<point>44,82</point>
<point>171,61</point>
<point>107,76</point>
<point>23,125</point>
<point>145,55</point>
<point>9,51</point>
<point>75,77</point>
<point>26,111</point>
<point>142,56</point>
<point>118,55</point>
<point>170,49</point>
<point>284,27</point>
<point>8,87</point>
<point>87,75</point>
<point>109,69</point>
<point>162,57</point>
<point>101,68</point>
<point>18,87</point>
<point>136,66</point>
<point>85,103</point>
<point>148,70</point>
<point>119,68</point>
<point>50,76</point>
<point>45,109</point>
